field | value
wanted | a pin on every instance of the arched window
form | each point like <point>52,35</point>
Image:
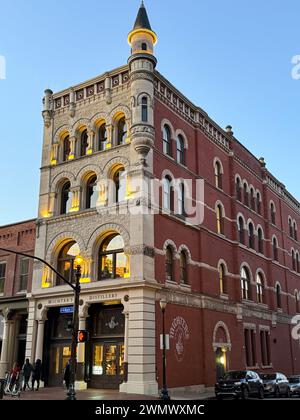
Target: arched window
<point>65,262</point>
<point>145,109</point>
<point>66,148</point>
<point>65,198</point>
<point>260,288</point>
<point>275,249</point>
<point>220,220</point>
<point>222,279</point>
<point>291,228</point>
<point>251,236</point>
<point>168,196</point>
<point>167,141</point>
<point>102,133</point>
<point>260,241</point>
<point>245,283</point>
<point>169,264</point>
<point>113,262</point>
<point>241,229</point>
<point>246,195</point>
<point>181,200</point>
<point>120,185</point>
<point>180,149</point>
<point>273,214</point>
<point>122,131</point>
<point>252,199</point>
<point>295,232</point>
<point>293,260</point>
<point>297,302</point>
<point>83,143</point>
<point>278,296</point>
<point>238,189</point>
<point>258,203</point>
<point>297,263</point>
<point>218,175</point>
<point>183,268</point>
<point>91,192</point>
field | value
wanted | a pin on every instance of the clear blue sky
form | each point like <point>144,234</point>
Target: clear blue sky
<point>231,57</point>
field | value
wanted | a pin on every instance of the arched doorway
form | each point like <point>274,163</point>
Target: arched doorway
<point>221,347</point>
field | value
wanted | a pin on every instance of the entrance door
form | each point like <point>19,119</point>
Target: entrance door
<point>107,370</point>
<point>221,362</point>
<point>59,356</point>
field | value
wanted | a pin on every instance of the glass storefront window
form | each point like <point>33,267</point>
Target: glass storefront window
<point>98,360</point>
<point>111,360</point>
<point>121,360</point>
<point>107,266</point>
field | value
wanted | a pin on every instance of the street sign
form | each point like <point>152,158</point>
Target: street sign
<point>67,310</point>
<point>167,341</point>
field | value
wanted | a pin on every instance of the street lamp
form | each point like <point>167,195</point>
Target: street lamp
<point>71,395</point>
<point>164,392</point>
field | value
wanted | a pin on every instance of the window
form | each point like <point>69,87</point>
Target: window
<point>83,143</point>
<point>66,198</point>
<point>181,200</point>
<point>297,263</point>
<point>120,185</point>
<point>91,192</point>
<point>238,189</point>
<point>246,195</point>
<point>295,232</point>
<point>293,260</point>
<point>144,46</point>
<point>273,214</point>
<point>102,133</point>
<point>222,279</point>
<point>220,220</point>
<point>122,131</point>
<point>65,262</point>
<point>167,141</point>
<point>275,249</point>
<point>167,192</point>
<point>218,175</point>
<point>241,230</point>
<point>180,150</point>
<point>251,236</point>
<point>260,241</point>
<point>144,109</point>
<point>258,203</point>
<point>291,228</point>
<point>297,302</point>
<point>250,347</point>
<point>183,268</point>
<point>169,264</point>
<point>24,272</point>
<point>252,199</point>
<point>2,276</point>
<point>66,148</point>
<point>260,288</point>
<point>265,348</point>
<point>278,296</point>
<point>245,283</point>
<point>113,261</point>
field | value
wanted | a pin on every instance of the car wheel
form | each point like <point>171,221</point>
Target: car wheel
<point>277,393</point>
<point>261,394</point>
<point>245,393</point>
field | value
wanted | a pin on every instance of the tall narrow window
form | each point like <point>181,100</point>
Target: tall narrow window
<point>297,263</point>
<point>181,200</point>
<point>246,195</point>
<point>120,185</point>
<point>297,302</point>
<point>258,203</point>
<point>167,191</point>
<point>65,262</point>
<point>144,46</point>
<point>102,137</point>
<point>66,198</point>
<point>238,189</point>
<point>66,148</point>
<point>295,232</point>
<point>278,296</point>
<point>183,268</point>
<point>167,141</point>
<point>245,284</point>
<point>169,264</point>
<point>218,175</point>
<point>260,241</point>
<point>114,263</point>
<point>241,229</point>
<point>144,109</point>
<point>220,220</point>
<point>180,149</point>
<point>291,228</point>
<point>252,199</point>
<point>2,276</point>
<point>222,279</point>
<point>260,288</point>
<point>275,249</point>
<point>251,236</point>
<point>91,192</point>
<point>293,260</point>
<point>122,131</point>
<point>83,143</point>
<point>24,272</point>
<point>273,213</point>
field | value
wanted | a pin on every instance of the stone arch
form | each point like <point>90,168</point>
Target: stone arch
<point>219,203</point>
<point>142,95</point>
<point>223,262</point>
<point>218,160</point>
<point>250,221</point>
<point>262,273</point>
<point>100,116</point>
<point>97,236</point>
<point>170,243</point>
<point>59,177</point>
<point>237,176</point>
<point>117,161</point>
<point>120,109</point>
<point>169,124</point>
<point>215,342</point>
<point>257,229</point>
<point>60,132</point>
<point>82,122</point>
<point>184,248</point>
<point>88,169</point>
<point>247,266</point>
<point>181,133</point>
<point>60,239</point>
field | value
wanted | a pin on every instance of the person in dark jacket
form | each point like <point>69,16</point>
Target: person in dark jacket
<point>67,375</point>
<point>36,374</point>
<point>27,370</point>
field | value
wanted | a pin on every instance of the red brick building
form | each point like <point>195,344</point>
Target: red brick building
<point>15,283</point>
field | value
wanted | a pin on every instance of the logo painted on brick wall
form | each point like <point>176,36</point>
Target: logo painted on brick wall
<point>180,333</point>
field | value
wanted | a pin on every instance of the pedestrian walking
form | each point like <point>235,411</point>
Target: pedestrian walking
<point>67,374</point>
<point>27,371</point>
<point>36,374</point>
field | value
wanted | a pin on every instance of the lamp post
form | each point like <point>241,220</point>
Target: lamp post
<point>71,395</point>
<point>164,392</point>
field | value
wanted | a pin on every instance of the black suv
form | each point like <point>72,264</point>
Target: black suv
<point>276,384</point>
<point>240,384</point>
<point>295,385</point>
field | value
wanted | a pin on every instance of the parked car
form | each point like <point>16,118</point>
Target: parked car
<point>294,385</point>
<point>240,384</point>
<point>276,384</point>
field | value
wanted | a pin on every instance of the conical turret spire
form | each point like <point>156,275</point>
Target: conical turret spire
<point>142,20</point>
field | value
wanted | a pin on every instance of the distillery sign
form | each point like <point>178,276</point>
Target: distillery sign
<point>179,334</point>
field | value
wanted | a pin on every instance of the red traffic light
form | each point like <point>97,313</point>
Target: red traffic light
<point>82,336</point>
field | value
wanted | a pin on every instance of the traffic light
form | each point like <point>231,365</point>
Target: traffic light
<point>83,336</point>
